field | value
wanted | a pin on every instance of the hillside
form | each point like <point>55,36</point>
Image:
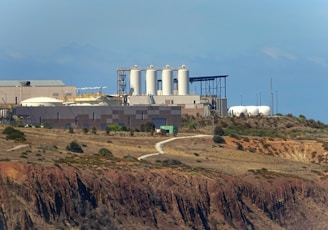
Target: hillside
<point>248,182</point>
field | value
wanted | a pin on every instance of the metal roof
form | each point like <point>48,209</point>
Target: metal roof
<point>203,78</point>
<point>15,83</point>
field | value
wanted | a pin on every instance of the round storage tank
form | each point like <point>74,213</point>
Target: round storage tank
<point>42,101</point>
<point>237,111</point>
<point>151,81</point>
<point>252,110</point>
<point>264,110</point>
<point>167,81</point>
<point>183,81</point>
<point>135,81</point>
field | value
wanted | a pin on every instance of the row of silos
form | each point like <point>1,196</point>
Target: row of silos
<point>152,81</point>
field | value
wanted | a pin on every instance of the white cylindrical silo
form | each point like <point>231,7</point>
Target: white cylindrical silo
<point>151,81</point>
<point>167,81</point>
<point>183,80</point>
<point>135,81</point>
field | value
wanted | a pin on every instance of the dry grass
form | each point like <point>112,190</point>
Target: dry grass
<point>48,146</point>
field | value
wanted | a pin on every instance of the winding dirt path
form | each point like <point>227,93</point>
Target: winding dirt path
<point>158,145</point>
<point>17,147</point>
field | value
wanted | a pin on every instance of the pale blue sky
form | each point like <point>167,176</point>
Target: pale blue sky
<point>84,42</point>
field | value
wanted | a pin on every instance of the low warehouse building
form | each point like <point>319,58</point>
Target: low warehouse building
<point>99,116</point>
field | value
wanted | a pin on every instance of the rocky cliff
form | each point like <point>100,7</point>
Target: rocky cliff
<point>36,196</point>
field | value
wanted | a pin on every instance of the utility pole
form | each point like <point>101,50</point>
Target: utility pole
<point>271,97</point>
<point>276,101</point>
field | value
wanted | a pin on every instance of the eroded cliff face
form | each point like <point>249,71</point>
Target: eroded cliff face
<point>34,196</point>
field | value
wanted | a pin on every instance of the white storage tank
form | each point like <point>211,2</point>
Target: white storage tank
<point>151,81</point>
<point>183,80</point>
<point>237,111</point>
<point>135,81</point>
<point>264,110</point>
<point>252,110</point>
<point>167,80</point>
<point>42,101</point>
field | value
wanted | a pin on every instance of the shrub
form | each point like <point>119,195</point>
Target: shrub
<point>105,152</point>
<point>131,133</point>
<point>289,125</point>
<point>239,146</point>
<point>218,131</point>
<point>147,127</point>
<point>47,125</point>
<point>74,147</point>
<point>218,139</point>
<point>246,139</point>
<point>14,134</point>
<point>172,162</point>
<point>115,127</point>
<point>236,136</point>
<point>70,130</point>
<point>8,130</point>
<point>130,158</point>
<point>107,130</point>
<point>85,130</point>
<point>94,130</point>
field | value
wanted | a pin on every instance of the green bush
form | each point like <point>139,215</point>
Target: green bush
<point>115,127</point>
<point>14,134</point>
<point>218,139</point>
<point>70,130</point>
<point>218,131</point>
<point>233,135</point>
<point>108,130</point>
<point>85,130</point>
<point>239,146</point>
<point>74,147</point>
<point>105,152</point>
<point>47,125</point>
<point>147,127</point>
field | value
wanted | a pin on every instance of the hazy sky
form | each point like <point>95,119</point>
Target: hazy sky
<point>84,42</point>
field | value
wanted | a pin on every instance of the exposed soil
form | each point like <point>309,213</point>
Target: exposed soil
<point>269,183</point>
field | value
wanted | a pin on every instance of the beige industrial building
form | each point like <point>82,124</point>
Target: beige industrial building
<point>13,92</point>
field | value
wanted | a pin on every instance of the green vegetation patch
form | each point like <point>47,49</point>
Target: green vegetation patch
<point>14,134</point>
<point>74,147</point>
<point>172,163</point>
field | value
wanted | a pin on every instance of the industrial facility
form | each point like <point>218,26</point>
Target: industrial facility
<point>172,87</point>
<point>158,95</point>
